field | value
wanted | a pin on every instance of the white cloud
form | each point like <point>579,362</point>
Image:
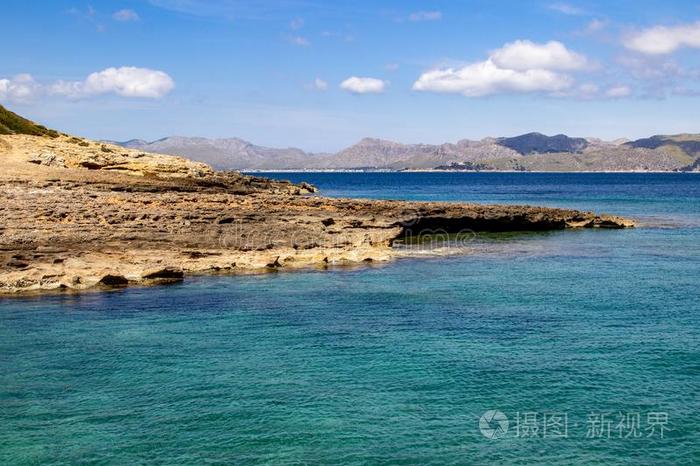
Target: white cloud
<point>358,85</point>
<point>521,66</point>
<point>19,89</point>
<point>127,81</point>
<point>485,78</point>
<point>616,92</point>
<point>320,84</point>
<point>298,40</point>
<point>567,9</point>
<point>660,40</point>
<point>425,16</point>
<point>125,15</point>
<point>391,66</point>
<point>524,55</point>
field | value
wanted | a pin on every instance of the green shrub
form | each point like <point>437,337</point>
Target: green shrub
<point>11,123</point>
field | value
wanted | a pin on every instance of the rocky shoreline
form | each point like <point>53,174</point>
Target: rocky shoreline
<point>77,214</point>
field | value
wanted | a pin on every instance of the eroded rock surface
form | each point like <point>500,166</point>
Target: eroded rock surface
<point>76,214</point>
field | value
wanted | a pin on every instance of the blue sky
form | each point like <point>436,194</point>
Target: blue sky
<point>321,75</point>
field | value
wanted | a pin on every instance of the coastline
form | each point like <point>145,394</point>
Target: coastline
<point>379,170</point>
<point>81,217</point>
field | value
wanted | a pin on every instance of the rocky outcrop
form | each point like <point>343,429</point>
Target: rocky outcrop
<point>95,215</point>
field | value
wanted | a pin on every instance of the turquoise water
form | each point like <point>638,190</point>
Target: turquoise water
<point>386,364</point>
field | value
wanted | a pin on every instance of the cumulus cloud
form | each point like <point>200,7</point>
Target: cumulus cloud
<point>126,81</point>
<point>485,78</point>
<point>524,55</point>
<point>125,15</point>
<point>518,67</point>
<point>360,85</point>
<point>661,40</point>
<point>19,89</point>
<point>425,16</point>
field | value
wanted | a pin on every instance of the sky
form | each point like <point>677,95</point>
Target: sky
<point>321,75</point>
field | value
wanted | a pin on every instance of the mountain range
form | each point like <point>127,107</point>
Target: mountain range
<point>527,152</point>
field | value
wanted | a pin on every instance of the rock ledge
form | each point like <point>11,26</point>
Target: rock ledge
<point>75,214</point>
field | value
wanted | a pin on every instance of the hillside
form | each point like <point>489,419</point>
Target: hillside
<point>527,152</point>
<point>227,153</point>
<point>687,143</point>
<point>11,123</point>
<point>538,143</point>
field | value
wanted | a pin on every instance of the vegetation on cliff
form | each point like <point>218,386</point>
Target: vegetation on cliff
<point>11,123</point>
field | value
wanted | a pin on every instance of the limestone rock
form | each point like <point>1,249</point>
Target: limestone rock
<point>49,159</point>
<point>80,216</point>
<point>113,280</point>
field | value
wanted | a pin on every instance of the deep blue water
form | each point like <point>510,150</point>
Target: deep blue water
<point>387,364</point>
<point>644,195</point>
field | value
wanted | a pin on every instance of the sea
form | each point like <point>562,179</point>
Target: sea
<point>567,347</point>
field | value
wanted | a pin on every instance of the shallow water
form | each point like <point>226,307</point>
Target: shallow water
<point>386,364</point>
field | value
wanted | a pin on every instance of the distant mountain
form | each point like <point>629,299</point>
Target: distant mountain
<point>538,143</point>
<point>229,153</point>
<point>527,152</point>
<point>688,143</point>
<point>693,167</point>
<point>130,144</point>
<point>378,153</point>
